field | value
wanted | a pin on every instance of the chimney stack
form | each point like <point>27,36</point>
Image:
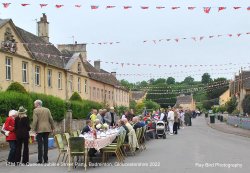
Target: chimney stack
<point>97,65</point>
<point>43,28</point>
<point>114,74</point>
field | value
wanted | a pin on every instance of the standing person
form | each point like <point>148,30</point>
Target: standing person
<point>182,119</point>
<point>89,114</point>
<point>9,125</point>
<point>175,127</point>
<point>22,126</point>
<point>170,121</point>
<point>93,117</point>
<point>100,115</point>
<point>43,125</point>
<point>111,117</point>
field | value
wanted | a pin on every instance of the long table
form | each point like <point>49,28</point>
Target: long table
<point>98,144</point>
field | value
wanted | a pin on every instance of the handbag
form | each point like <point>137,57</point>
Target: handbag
<point>4,132</point>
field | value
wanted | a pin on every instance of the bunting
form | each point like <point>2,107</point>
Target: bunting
<point>206,10</point>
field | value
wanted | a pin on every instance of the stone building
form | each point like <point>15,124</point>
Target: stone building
<point>43,68</point>
<point>240,87</point>
<point>186,102</point>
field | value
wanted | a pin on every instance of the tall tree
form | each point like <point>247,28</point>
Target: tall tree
<point>189,80</point>
<point>206,78</point>
<point>160,81</point>
<point>170,80</point>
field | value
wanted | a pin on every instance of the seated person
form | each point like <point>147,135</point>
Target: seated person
<point>142,121</point>
<point>88,127</point>
<point>136,123</point>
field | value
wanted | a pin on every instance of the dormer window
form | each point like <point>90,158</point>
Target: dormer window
<point>79,68</point>
<point>9,43</point>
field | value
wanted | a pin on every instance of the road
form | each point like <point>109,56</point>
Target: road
<point>195,149</point>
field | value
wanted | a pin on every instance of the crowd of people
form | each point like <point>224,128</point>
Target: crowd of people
<point>17,127</point>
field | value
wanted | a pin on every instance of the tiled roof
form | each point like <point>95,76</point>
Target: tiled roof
<point>103,75</point>
<point>43,52</point>
<point>184,100</point>
<point>246,79</point>
<point>137,95</point>
<point>3,21</point>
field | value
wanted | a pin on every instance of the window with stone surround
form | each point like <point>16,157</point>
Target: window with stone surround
<point>24,72</point>
<point>8,65</point>
<point>37,75</point>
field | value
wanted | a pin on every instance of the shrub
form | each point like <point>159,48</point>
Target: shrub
<point>56,105</point>
<point>231,105</point>
<point>13,100</point>
<point>75,97</point>
<point>17,87</point>
<point>121,109</point>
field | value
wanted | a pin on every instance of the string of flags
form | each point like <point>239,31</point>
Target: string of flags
<point>127,7</point>
<point>155,41</point>
<point>122,64</point>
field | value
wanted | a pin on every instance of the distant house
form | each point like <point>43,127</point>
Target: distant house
<point>185,102</point>
<point>138,96</point>
<point>240,87</point>
<point>224,97</point>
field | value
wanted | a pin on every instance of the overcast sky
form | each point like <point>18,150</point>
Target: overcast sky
<point>131,27</point>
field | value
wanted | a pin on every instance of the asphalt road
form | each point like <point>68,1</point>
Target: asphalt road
<point>195,149</point>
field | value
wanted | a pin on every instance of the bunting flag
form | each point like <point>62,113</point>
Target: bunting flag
<point>175,8</point>
<point>236,8</point>
<point>94,7</point>
<point>6,5</point>
<point>144,7</point>
<point>43,5</point>
<point>248,8</point>
<point>230,35</point>
<point>160,7</point>
<point>207,9</point>
<point>110,6</point>
<point>78,6</point>
<point>221,8</point>
<point>59,6</point>
<point>127,7</point>
<point>24,5</point>
<point>191,8</point>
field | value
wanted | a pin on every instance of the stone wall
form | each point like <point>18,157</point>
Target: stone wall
<point>241,122</point>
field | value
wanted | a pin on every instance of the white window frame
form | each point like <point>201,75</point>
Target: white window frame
<point>24,72</point>
<point>85,85</point>
<point>71,83</point>
<point>49,78</point>
<point>37,75</point>
<point>79,84</point>
<point>8,66</point>
<point>59,80</point>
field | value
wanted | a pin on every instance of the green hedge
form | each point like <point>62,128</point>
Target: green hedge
<point>81,109</point>
<point>56,105</point>
<point>12,100</point>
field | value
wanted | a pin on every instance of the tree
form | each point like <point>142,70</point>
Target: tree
<point>189,80</point>
<point>205,79</point>
<point>220,88</point>
<point>231,105</point>
<point>159,81</point>
<point>132,104</point>
<point>75,97</point>
<point>246,104</point>
<point>125,83</point>
<point>170,80</point>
